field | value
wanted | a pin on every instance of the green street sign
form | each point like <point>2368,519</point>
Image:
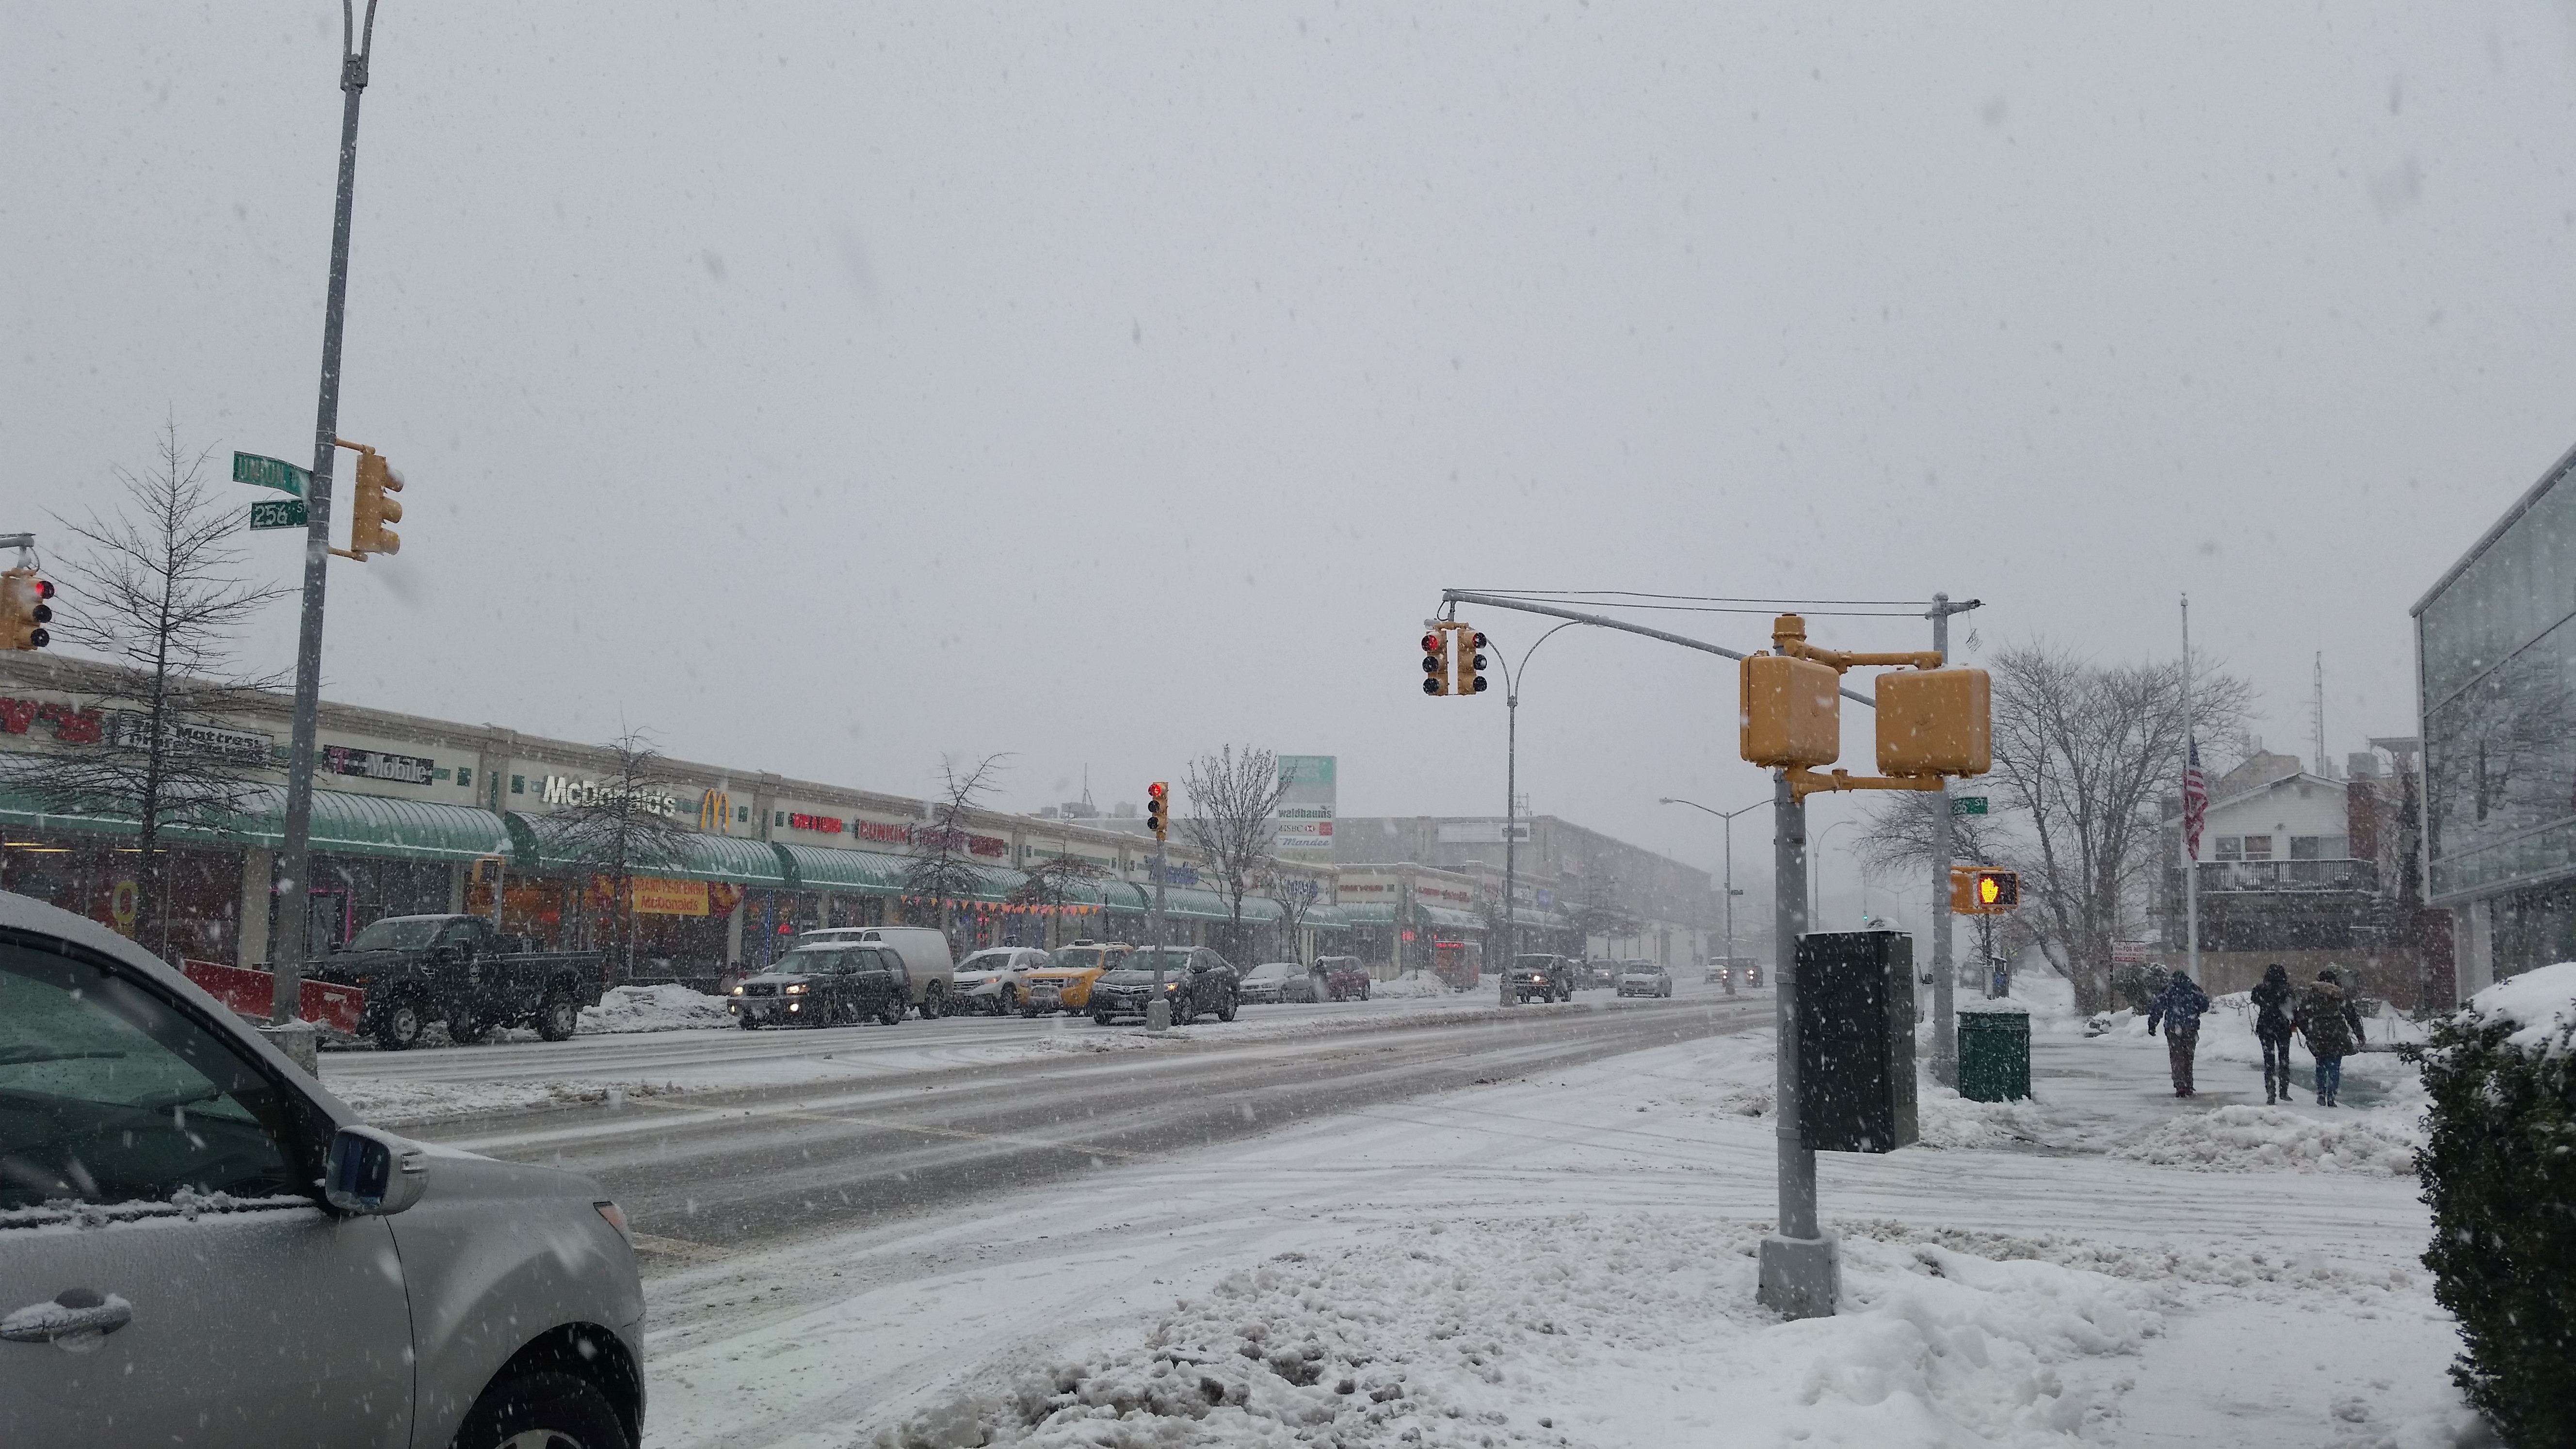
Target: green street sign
<point>274,473</point>
<point>1967,804</point>
<point>284,513</point>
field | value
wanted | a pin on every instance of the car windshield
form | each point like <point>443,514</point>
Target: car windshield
<point>1534,963</point>
<point>806,960</point>
<point>402,933</point>
<point>986,961</point>
<point>1274,971</point>
<point>1077,958</point>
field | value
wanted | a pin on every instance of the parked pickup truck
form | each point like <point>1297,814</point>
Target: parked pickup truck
<point>457,969</point>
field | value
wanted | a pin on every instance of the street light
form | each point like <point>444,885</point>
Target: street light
<point>1729,817</point>
<point>1511,801</point>
<point>1816,872</point>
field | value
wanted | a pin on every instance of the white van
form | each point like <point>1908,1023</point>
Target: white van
<point>925,958</point>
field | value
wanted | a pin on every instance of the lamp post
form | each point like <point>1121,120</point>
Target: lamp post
<point>1727,816</point>
<point>1816,874</point>
<point>1511,803</point>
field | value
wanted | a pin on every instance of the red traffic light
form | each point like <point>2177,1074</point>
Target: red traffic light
<point>1430,643</point>
<point>1155,790</point>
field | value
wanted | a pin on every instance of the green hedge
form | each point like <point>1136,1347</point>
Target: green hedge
<point>2499,1172</point>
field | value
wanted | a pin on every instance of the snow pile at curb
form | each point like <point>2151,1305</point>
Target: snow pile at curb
<point>1411,985</point>
<point>2255,1139</point>
<point>1576,1331</point>
<point>668,1006</point>
<point>2541,1001</point>
<point>391,1100</point>
<point>1943,1118</point>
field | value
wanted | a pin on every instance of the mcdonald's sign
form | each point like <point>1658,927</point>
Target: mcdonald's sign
<point>715,812</point>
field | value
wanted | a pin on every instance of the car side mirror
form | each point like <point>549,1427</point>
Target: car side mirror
<point>373,1173</point>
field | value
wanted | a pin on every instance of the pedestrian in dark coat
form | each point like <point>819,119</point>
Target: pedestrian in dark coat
<point>2179,1007</point>
<point>2332,1026</point>
<point>2276,1014</point>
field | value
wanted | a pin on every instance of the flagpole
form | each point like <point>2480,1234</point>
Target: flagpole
<point>2190,841</point>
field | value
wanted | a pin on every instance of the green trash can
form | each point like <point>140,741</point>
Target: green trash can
<point>1994,1051</point>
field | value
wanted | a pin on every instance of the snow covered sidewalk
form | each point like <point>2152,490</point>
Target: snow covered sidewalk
<point>1569,1261</point>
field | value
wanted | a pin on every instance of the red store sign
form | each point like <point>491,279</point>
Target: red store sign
<point>827,824</point>
<point>71,726</point>
<point>884,834</point>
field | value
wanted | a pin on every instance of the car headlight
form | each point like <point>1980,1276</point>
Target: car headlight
<point>737,991</point>
<point>796,989</point>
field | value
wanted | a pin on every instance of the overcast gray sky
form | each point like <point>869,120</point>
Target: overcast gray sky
<point>826,387</point>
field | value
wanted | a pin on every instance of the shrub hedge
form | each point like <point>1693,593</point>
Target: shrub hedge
<point>2499,1172</point>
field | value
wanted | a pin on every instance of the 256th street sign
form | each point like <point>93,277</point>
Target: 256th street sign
<point>281,475</point>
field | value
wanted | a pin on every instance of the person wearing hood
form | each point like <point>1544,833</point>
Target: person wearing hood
<point>2332,1026</point>
<point>2276,1013</point>
<point>2179,1007</point>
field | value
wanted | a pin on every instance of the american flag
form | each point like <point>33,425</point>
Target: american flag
<point>2195,802</point>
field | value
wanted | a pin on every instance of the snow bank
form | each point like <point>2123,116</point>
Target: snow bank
<point>2542,1002</point>
<point>1943,1118</point>
<point>388,1101</point>
<point>1579,1331</point>
<point>668,1006</point>
<point>1411,985</point>
<point>2255,1139</point>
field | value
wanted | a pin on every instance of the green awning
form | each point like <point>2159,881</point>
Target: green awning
<point>343,824</point>
<point>822,868</point>
<point>1327,918</point>
<point>1447,917</point>
<point>538,843</point>
<point>1368,913</point>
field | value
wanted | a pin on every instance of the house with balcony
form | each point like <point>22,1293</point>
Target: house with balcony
<point>2311,871</point>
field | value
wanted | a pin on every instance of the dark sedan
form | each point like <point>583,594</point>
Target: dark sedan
<point>1197,981</point>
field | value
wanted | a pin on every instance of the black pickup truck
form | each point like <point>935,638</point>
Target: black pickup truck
<point>457,969</point>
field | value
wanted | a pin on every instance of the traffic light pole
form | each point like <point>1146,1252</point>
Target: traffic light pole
<point>1799,1275</point>
<point>1945,974</point>
<point>1158,1010</point>
<point>293,869</point>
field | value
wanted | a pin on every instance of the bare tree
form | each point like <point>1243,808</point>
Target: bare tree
<point>629,824</point>
<point>1232,824</point>
<point>1896,844</point>
<point>2085,752</point>
<point>1599,908</point>
<point>1051,883</point>
<point>158,590</point>
<point>1296,895</point>
<point>943,870</point>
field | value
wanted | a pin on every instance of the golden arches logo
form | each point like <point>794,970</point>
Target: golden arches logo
<point>715,812</point>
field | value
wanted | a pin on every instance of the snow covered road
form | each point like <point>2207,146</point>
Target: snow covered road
<point>1563,1258</point>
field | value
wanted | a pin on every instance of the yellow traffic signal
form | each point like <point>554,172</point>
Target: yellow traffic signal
<point>1983,891</point>
<point>1792,711</point>
<point>1435,661</point>
<point>1158,808</point>
<point>1935,722</point>
<point>23,610</point>
<point>1471,661</point>
<point>370,510</point>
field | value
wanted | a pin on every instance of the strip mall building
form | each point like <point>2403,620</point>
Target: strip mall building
<point>416,815</point>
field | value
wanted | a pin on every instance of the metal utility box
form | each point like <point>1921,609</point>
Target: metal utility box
<point>1994,1051</point>
<point>1792,711</point>
<point>1935,722</point>
<point>1855,1000</point>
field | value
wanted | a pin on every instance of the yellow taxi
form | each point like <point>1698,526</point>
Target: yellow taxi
<point>1064,982</point>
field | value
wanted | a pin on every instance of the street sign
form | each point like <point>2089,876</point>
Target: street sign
<point>274,473</point>
<point>284,513</point>
<point>1967,804</point>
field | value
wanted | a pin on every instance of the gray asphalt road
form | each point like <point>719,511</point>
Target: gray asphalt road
<point>728,1169</point>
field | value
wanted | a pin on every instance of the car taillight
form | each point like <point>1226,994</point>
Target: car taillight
<point>616,1219</point>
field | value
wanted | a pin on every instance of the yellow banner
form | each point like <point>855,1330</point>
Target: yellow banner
<point>657,896</point>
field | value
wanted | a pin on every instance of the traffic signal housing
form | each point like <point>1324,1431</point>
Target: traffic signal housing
<point>371,508</point>
<point>1977,890</point>
<point>24,611</point>
<point>1471,661</point>
<point>1435,661</point>
<point>1158,808</point>
<point>1792,711</point>
<point>1935,722</point>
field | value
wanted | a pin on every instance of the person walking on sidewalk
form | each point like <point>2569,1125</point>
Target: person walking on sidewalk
<point>2332,1026</point>
<point>2276,1012</point>
<point>2179,1007</point>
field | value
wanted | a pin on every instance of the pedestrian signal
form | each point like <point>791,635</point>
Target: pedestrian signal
<point>1979,891</point>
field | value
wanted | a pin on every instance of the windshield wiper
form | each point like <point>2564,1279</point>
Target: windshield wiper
<point>19,1056</point>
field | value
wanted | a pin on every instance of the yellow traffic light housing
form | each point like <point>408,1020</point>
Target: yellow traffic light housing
<point>23,610</point>
<point>1977,890</point>
<point>1792,712</point>
<point>1158,808</point>
<point>1435,661</point>
<point>1935,722</point>
<point>1471,659</point>
<point>370,506</point>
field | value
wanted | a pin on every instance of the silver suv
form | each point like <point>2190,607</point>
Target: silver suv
<point>198,1245</point>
